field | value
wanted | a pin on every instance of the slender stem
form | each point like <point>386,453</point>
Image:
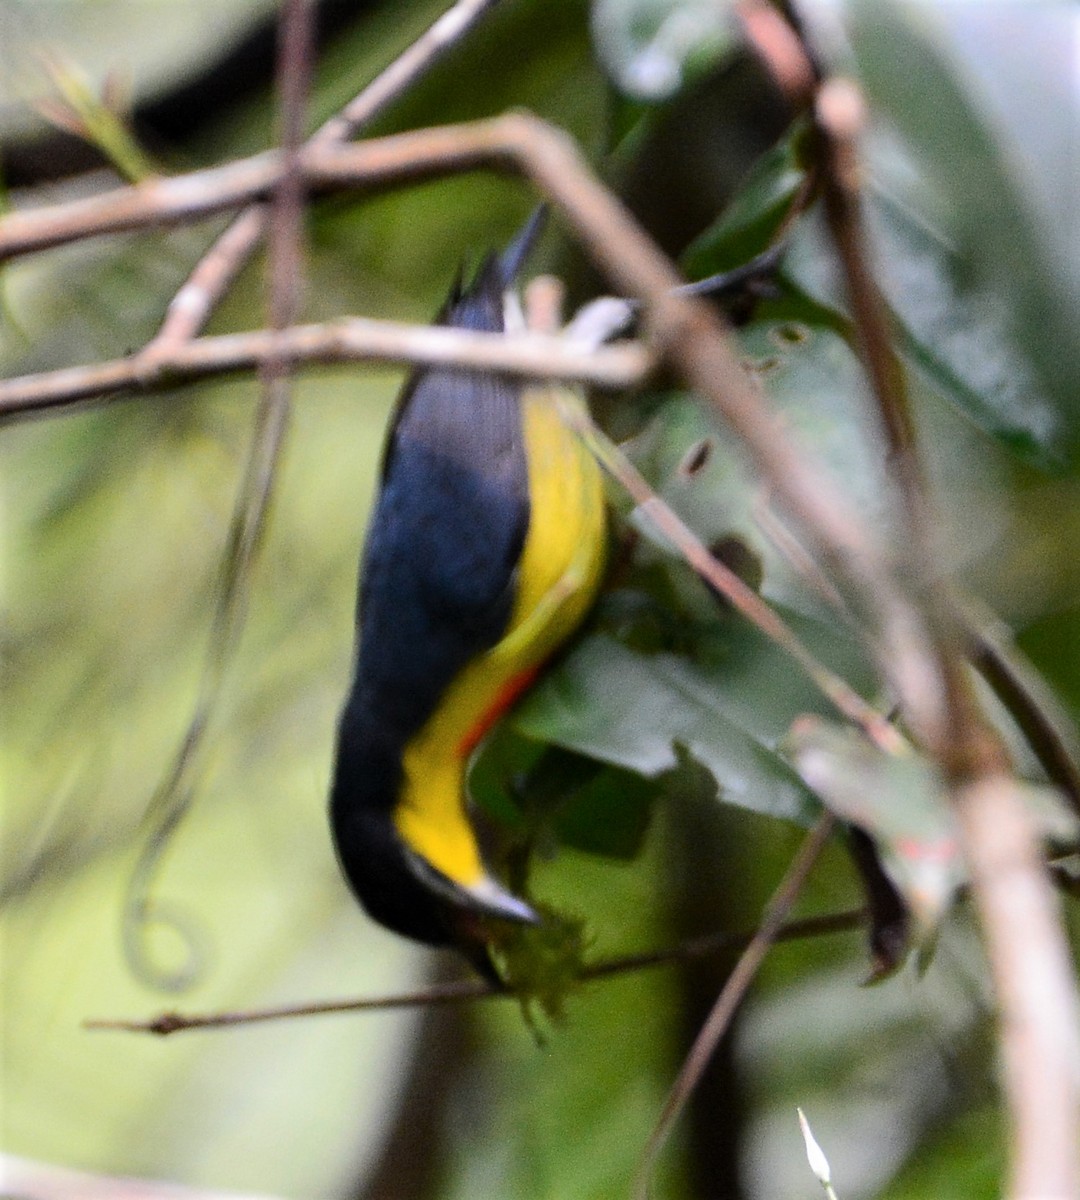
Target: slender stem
<point>740,595</point>
<point>412,64</point>
<point>174,796</point>
<point>707,946</point>
<point>1039,1029</point>
<point>731,996</point>
<point>346,340</point>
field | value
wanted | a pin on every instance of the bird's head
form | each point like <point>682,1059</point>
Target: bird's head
<point>404,892</point>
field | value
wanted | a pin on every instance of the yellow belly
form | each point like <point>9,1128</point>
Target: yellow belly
<point>558,577</point>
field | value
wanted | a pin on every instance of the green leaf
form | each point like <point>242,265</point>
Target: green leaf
<point>816,386</point>
<point>990,211</point>
<point>900,800</point>
<point>652,48</point>
<point>953,330</point>
<point>747,225</point>
<point>727,704</point>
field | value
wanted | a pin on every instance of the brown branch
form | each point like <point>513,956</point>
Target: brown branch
<point>153,202</point>
<point>1035,986</point>
<point>776,43</point>
<point>404,71</point>
<point>348,339</point>
<point>378,163</point>
<point>731,996</point>
<point>191,306</point>
<point>1027,699</point>
<point>459,991</point>
<point>839,120</point>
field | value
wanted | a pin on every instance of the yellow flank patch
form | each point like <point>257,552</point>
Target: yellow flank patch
<point>558,576</point>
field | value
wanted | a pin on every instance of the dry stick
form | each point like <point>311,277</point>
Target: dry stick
<point>731,995</point>
<point>1046,729</point>
<point>376,164</point>
<point>742,597</point>
<point>193,303</point>
<point>1040,1013</point>
<point>706,946</point>
<point>345,340</point>
<point>152,202</point>
<point>404,71</point>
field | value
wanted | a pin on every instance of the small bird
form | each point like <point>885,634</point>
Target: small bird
<point>484,551</point>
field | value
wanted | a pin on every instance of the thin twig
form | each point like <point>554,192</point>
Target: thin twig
<point>707,946</point>
<point>776,44</point>
<point>839,119</point>
<point>378,163</point>
<point>731,996</point>
<point>396,79</point>
<point>1027,699</point>
<point>740,595</point>
<point>193,303</point>
<point>346,340</point>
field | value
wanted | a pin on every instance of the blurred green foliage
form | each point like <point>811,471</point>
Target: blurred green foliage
<point>668,711</point>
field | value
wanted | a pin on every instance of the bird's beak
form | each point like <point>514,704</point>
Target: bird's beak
<point>485,896</point>
<point>493,900</point>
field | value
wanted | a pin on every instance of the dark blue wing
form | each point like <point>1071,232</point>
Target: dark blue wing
<point>438,572</point>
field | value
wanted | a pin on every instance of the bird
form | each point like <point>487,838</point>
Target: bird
<point>484,552</point>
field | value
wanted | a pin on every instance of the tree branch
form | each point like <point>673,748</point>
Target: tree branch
<point>458,991</point>
<point>348,339</point>
<point>1040,1013</point>
<point>191,306</point>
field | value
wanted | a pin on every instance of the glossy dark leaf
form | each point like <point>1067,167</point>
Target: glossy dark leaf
<point>746,227</point>
<point>994,214</point>
<point>727,704</point>
<point>816,386</point>
<point>953,330</point>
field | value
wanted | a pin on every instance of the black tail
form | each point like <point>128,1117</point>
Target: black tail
<point>513,257</point>
<point>480,305</point>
